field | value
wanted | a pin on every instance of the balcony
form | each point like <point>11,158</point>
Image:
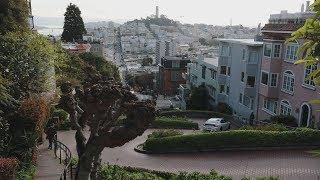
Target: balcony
<point>270,92</point>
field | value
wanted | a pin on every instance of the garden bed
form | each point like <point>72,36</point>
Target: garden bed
<point>174,123</point>
<point>235,140</point>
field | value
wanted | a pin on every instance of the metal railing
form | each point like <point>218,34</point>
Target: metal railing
<point>64,154</point>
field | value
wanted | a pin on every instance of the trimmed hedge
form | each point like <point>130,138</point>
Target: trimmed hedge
<point>234,139</point>
<point>168,123</point>
<point>165,133</point>
<point>266,127</point>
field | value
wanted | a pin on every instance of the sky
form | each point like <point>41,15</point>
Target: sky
<point>215,12</point>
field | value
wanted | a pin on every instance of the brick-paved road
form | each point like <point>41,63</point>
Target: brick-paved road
<point>290,165</point>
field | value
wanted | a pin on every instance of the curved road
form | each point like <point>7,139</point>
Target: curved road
<point>290,165</point>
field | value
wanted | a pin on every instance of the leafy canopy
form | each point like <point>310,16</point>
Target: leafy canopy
<point>310,50</point>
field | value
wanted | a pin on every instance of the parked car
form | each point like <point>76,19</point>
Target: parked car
<point>216,124</point>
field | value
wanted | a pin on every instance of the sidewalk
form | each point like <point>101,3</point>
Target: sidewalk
<point>48,166</point>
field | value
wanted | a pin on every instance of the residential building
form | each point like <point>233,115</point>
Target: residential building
<point>171,73</point>
<point>97,48</point>
<point>165,48</point>
<point>284,88</point>
<point>239,74</point>
<point>76,48</point>
<point>204,71</point>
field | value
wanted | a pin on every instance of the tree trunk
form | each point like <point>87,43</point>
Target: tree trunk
<point>95,168</point>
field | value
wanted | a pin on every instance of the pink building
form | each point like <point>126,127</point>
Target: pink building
<point>284,87</point>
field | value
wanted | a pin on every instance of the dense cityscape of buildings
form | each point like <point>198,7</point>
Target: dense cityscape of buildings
<point>250,70</point>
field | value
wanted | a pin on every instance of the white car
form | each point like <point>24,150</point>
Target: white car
<point>216,124</point>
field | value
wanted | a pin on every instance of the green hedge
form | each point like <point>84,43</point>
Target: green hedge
<point>234,139</point>
<point>266,127</point>
<point>174,123</point>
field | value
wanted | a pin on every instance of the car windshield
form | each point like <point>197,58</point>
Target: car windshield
<point>209,125</point>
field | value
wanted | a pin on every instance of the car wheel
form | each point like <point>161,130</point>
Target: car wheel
<point>221,129</point>
<point>229,127</point>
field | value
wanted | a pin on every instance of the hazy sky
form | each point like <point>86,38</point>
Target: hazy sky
<point>217,12</point>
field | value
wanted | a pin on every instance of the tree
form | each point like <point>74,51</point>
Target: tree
<point>104,67</point>
<point>13,15</point>
<point>73,28</point>
<point>199,98</point>
<point>203,41</point>
<point>310,50</point>
<point>147,61</point>
<point>103,102</point>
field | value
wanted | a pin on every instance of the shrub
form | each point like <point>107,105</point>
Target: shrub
<point>8,167</point>
<point>224,108</point>
<point>117,173</point>
<point>174,124</point>
<point>284,119</point>
<point>64,123</point>
<point>26,173</point>
<point>164,133</point>
<point>234,139</point>
<point>268,127</point>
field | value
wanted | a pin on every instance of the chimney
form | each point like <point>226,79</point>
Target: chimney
<point>308,6</point>
<point>302,8</point>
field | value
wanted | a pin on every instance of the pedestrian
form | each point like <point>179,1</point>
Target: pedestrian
<point>51,132</point>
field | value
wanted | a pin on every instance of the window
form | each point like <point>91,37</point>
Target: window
<point>225,51</point>
<point>253,57</point>
<point>242,76</point>
<point>204,68</point>
<point>291,53</point>
<point>222,88</point>
<point>276,50</point>
<point>194,79</point>
<point>288,81</point>
<point>274,80</point>
<point>228,90</point>
<point>212,91</point>
<point>264,78</point>
<point>247,101</point>
<point>243,54</point>
<point>307,79</point>
<point>285,108</point>
<point>241,98</point>
<point>176,76</point>
<point>229,71</point>
<point>223,70</point>
<point>175,64</point>
<point>251,80</point>
<point>213,74</point>
<point>270,106</point>
<point>267,50</point>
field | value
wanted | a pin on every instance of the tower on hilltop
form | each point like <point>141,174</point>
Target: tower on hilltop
<point>157,11</point>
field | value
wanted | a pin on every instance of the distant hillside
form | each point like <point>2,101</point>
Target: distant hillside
<point>100,24</point>
<point>162,21</point>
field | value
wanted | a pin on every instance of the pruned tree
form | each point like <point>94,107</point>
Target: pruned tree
<point>102,102</point>
<point>73,28</point>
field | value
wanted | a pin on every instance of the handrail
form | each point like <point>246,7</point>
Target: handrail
<point>59,146</point>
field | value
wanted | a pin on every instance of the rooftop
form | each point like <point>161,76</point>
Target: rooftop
<point>212,61</point>
<point>249,42</point>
